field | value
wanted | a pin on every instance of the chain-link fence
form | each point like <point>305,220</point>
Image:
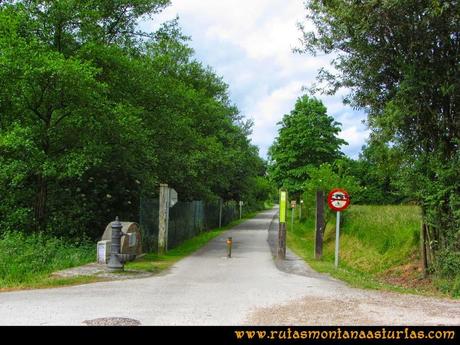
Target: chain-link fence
<point>186,220</point>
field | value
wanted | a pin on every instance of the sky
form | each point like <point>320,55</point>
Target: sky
<point>249,43</point>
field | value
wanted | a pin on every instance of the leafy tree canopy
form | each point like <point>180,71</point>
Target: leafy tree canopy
<point>308,137</point>
<point>94,112</point>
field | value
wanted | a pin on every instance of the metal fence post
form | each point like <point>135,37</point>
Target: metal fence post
<point>220,212</point>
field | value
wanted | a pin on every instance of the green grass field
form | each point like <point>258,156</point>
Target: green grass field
<point>379,247</point>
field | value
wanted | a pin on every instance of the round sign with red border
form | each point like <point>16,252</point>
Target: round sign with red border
<point>338,199</point>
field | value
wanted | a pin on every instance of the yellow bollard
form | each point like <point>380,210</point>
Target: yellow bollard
<point>229,247</point>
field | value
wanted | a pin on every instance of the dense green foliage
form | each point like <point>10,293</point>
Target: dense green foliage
<point>30,259</point>
<point>325,178</point>
<point>377,172</point>
<point>94,112</point>
<point>400,60</point>
<point>307,138</point>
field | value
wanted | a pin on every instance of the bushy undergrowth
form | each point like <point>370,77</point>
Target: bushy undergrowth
<point>447,268</point>
<point>28,258</point>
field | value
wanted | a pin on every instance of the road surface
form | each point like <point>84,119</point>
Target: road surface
<point>207,288</point>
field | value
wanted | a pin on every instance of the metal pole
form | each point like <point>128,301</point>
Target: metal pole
<point>220,212</point>
<point>240,209</point>
<point>337,238</point>
<point>292,217</point>
<point>300,212</point>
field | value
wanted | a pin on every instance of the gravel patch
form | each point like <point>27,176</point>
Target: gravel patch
<point>353,307</point>
<point>102,271</point>
<point>112,321</point>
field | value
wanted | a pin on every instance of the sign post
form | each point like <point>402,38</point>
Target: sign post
<point>300,210</point>
<point>338,200</point>
<point>173,197</point>
<point>337,239</point>
<point>241,209</point>
<point>282,225</point>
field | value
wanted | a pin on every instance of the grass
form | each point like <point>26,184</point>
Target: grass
<point>28,261</point>
<point>45,282</point>
<point>156,263</point>
<point>379,248</point>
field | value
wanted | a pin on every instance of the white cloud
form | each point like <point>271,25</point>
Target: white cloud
<point>269,109</point>
<point>250,44</point>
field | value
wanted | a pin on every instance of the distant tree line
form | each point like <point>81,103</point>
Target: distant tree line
<point>94,112</point>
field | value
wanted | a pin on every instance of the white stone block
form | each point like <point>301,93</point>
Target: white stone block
<point>103,251</point>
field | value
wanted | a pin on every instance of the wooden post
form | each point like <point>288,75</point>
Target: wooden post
<point>282,241</point>
<point>320,224</point>
<point>163,219</point>
<point>423,248</point>
<point>282,225</point>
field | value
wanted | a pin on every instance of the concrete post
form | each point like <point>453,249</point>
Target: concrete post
<point>163,219</point>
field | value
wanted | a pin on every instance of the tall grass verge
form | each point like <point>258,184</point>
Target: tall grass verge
<point>379,248</point>
<point>25,260</point>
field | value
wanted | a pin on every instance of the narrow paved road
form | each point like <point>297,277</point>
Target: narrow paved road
<point>209,289</point>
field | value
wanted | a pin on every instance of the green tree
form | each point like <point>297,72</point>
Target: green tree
<point>400,60</point>
<point>56,99</point>
<point>378,171</point>
<point>95,112</point>
<point>307,137</point>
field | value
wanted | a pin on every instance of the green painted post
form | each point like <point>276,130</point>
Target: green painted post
<point>282,225</point>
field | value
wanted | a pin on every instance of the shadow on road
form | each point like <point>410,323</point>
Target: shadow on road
<point>292,264</point>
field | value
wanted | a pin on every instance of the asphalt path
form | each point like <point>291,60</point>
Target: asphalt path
<point>207,288</point>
